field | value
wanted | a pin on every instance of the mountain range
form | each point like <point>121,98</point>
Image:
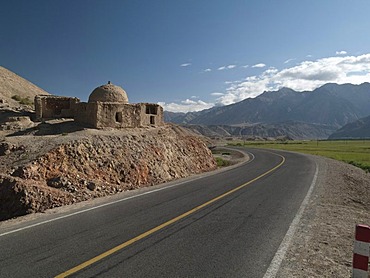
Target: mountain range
<point>359,129</point>
<point>324,109</point>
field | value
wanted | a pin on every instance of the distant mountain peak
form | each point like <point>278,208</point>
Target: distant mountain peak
<point>332,105</point>
<point>279,91</point>
<point>286,89</point>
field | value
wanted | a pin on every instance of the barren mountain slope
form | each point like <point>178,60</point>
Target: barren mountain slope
<point>12,85</point>
<point>330,105</point>
<point>359,129</point>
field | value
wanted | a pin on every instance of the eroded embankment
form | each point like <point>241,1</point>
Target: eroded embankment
<point>98,164</point>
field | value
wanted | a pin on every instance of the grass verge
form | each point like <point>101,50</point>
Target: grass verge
<point>222,162</point>
<point>355,152</point>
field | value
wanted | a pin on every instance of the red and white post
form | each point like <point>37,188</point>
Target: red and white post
<point>361,252</point>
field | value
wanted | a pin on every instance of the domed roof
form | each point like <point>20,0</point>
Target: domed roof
<point>108,93</point>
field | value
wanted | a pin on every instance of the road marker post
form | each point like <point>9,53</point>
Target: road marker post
<point>361,252</point>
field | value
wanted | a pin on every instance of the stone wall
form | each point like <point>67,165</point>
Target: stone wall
<point>99,114</point>
<point>151,114</point>
<point>117,115</point>
<point>86,114</point>
<point>54,107</point>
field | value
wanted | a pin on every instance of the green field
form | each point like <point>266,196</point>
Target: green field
<point>355,152</point>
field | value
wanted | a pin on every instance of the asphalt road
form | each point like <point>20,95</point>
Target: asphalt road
<point>235,235</point>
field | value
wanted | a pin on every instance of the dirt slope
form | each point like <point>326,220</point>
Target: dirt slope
<point>41,172</point>
<point>12,84</point>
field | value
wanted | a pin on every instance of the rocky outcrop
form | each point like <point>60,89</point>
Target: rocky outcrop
<point>19,197</point>
<point>100,164</point>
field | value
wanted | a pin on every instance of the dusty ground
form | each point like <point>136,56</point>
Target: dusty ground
<point>323,243</point>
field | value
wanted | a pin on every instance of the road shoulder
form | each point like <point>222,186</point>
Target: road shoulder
<point>323,242</point>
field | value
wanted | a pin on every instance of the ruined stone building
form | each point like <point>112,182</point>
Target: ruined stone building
<point>107,106</point>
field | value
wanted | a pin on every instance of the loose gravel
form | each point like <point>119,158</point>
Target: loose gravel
<point>323,243</point>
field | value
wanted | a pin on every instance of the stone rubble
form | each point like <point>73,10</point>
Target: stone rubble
<point>96,165</point>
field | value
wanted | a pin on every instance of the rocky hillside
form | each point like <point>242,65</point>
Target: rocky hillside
<point>292,130</point>
<point>357,130</point>
<point>41,172</point>
<point>16,98</point>
<point>17,91</point>
<point>299,115</point>
<point>331,105</point>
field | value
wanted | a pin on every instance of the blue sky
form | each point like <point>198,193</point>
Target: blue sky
<point>187,55</point>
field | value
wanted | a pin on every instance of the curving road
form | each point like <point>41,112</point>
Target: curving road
<point>229,224</point>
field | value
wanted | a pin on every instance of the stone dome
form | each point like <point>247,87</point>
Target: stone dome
<point>108,93</point>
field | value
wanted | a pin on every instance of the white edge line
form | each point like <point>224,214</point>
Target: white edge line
<point>110,203</point>
<point>86,210</point>
<point>283,248</point>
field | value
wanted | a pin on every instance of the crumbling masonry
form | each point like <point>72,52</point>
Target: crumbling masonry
<point>107,107</point>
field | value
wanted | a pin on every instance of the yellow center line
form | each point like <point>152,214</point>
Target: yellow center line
<point>163,225</point>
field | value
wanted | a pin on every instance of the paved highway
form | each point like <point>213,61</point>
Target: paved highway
<point>229,224</point>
